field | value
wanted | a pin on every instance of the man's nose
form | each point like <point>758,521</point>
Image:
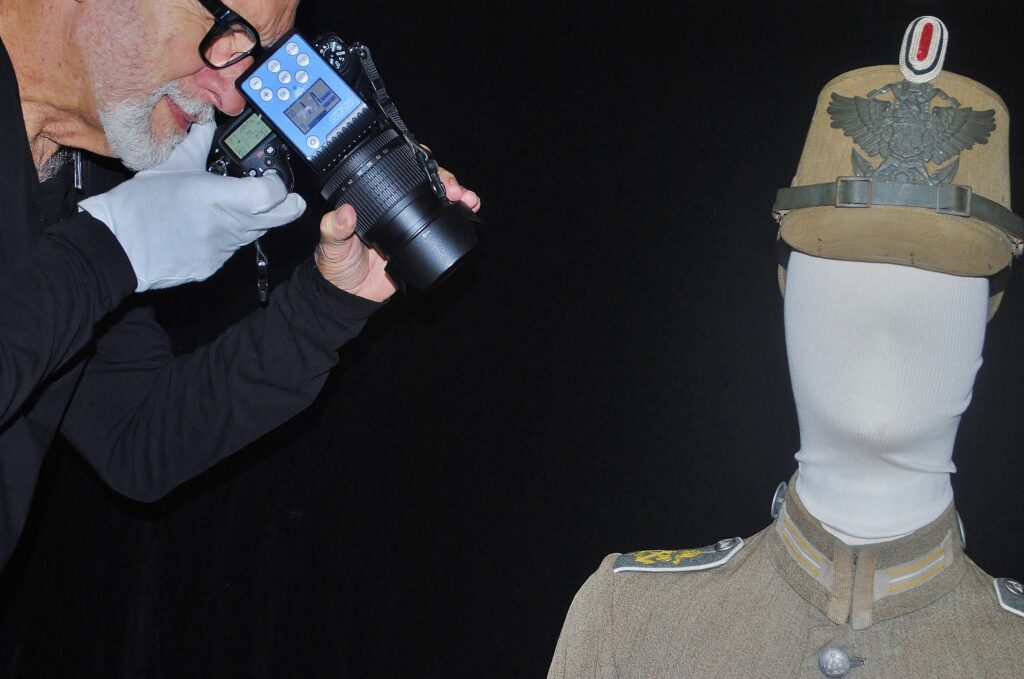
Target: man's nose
<point>221,84</point>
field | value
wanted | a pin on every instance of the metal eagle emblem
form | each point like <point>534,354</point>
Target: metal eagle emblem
<point>909,133</point>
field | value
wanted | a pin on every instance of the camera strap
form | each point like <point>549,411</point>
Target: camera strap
<point>387,106</point>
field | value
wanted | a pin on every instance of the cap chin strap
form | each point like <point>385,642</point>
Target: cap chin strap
<point>947,199</point>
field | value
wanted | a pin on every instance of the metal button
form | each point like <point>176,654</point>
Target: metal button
<point>833,662</point>
<point>778,499</point>
<point>1015,587</point>
<point>725,545</point>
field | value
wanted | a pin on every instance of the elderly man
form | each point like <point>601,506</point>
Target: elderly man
<point>891,269</point>
<point>139,80</point>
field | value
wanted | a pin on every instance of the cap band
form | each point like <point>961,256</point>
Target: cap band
<point>860,192</point>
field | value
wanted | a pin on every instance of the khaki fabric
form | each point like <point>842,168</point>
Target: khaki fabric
<point>762,615</point>
<point>916,237</point>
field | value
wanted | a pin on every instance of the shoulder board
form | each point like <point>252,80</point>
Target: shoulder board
<point>1010,594</point>
<point>673,560</point>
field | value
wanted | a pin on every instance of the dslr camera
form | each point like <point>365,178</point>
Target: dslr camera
<point>325,102</point>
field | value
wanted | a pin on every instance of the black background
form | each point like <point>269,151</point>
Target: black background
<point>607,374</point>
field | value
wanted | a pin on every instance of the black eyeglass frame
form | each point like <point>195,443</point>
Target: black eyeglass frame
<point>223,17</point>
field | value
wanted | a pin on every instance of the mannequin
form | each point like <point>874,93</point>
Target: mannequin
<point>883,359</point>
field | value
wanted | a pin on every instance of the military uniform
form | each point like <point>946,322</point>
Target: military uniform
<point>885,248</point>
<point>794,601</point>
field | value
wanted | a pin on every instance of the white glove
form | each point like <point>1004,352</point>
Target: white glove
<point>179,223</point>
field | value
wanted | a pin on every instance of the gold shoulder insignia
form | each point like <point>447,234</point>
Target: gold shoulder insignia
<point>671,560</point>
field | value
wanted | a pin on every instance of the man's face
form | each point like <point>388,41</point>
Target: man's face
<point>149,81</point>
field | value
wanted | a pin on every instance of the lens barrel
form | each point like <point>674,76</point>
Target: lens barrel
<point>422,236</point>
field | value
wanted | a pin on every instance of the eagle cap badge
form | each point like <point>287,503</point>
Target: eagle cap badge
<point>899,122</point>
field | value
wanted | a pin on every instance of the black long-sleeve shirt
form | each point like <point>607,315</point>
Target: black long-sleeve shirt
<point>76,356</point>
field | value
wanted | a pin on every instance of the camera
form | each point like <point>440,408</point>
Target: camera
<point>325,102</point>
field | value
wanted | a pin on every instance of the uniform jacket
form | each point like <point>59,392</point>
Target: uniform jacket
<point>912,607</point>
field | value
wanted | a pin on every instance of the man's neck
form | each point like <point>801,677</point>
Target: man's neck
<point>52,81</point>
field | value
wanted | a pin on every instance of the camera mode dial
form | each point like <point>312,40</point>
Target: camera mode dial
<point>333,50</point>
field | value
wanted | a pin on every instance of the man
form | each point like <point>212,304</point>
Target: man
<point>139,80</point>
<point>891,270</point>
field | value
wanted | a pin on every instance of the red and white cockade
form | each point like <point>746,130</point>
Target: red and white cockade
<point>923,50</point>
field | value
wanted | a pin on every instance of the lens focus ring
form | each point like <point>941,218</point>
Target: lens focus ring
<point>375,178</point>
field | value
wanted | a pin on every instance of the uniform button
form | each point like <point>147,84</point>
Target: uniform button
<point>833,662</point>
<point>725,545</point>
<point>778,499</point>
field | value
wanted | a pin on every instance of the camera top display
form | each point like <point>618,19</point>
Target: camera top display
<point>307,101</point>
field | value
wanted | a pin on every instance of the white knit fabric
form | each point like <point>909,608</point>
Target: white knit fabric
<point>883,360</point>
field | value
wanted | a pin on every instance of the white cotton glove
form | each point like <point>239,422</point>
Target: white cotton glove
<point>179,223</point>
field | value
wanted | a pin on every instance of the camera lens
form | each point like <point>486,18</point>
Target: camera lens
<point>422,236</point>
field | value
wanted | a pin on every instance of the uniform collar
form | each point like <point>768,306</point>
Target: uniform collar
<point>865,584</point>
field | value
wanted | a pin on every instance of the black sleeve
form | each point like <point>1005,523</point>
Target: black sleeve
<point>147,421</point>
<point>51,301</point>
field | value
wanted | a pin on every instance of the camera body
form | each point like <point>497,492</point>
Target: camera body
<point>325,103</point>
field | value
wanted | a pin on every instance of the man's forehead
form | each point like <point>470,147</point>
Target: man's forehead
<point>272,18</point>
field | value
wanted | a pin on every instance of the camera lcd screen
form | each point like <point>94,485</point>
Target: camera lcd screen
<point>247,136</point>
<point>312,106</point>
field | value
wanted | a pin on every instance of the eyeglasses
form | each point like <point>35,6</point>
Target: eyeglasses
<point>231,38</point>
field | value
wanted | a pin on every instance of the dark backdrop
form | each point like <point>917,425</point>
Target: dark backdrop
<point>607,374</point>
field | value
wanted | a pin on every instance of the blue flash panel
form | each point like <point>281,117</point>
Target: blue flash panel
<point>304,98</point>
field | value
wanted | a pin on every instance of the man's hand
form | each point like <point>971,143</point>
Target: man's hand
<point>179,223</point>
<point>346,262</point>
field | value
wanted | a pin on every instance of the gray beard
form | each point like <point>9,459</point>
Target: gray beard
<point>52,165</point>
<point>128,127</point>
